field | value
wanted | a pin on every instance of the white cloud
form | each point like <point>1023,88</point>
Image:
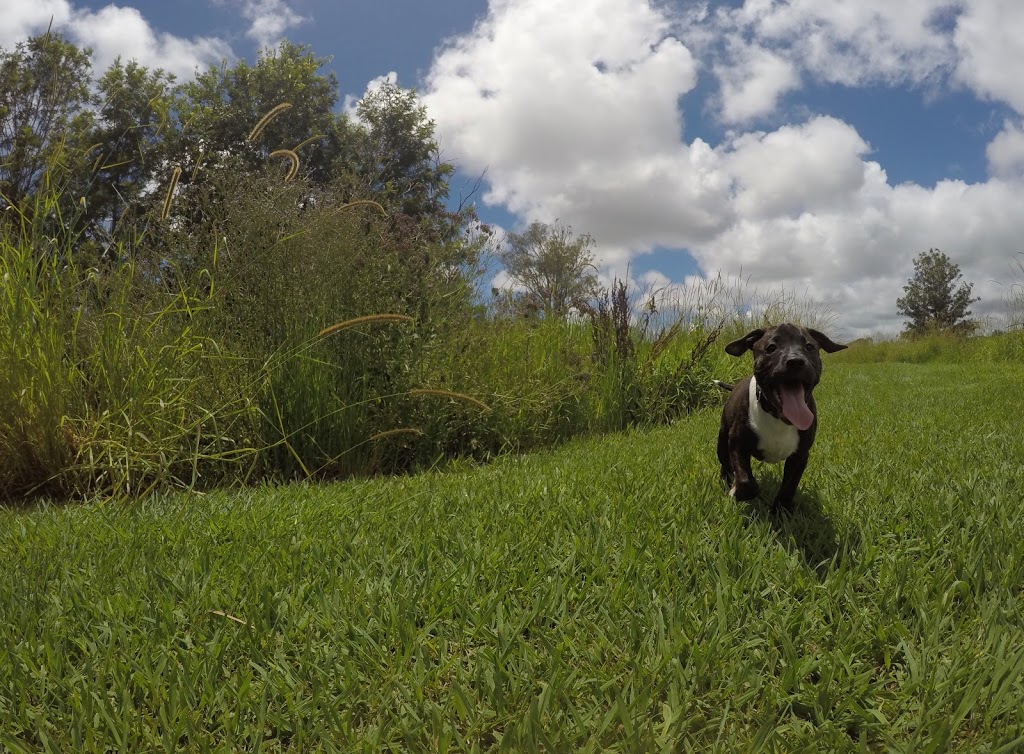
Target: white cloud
<point>268,20</point>
<point>1005,152</point>
<point>23,19</point>
<point>796,169</point>
<point>572,107</point>
<point>111,31</point>
<point>992,50</point>
<point>753,81</point>
<point>851,42</point>
<point>858,256</point>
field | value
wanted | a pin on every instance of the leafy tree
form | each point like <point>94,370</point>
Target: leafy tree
<point>44,93</point>
<point>932,301</point>
<point>398,156</point>
<point>555,267</point>
<point>134,110</point>
<point>218,110</point>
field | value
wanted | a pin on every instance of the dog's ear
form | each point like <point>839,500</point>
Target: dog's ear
<point>744,344</point>
<point>824,342</point>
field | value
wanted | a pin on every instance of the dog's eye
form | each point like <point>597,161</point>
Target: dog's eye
<point>771,348</point>
<point>810,346</point>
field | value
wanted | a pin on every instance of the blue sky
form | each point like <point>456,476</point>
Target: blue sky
<point>810,145</point>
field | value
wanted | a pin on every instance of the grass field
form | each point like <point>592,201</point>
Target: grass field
<point>604,596</point>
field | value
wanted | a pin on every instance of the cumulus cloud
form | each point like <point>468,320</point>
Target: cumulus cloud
<point>23,19</point>
<point>752,81</point>
<point>1005,152</point>
<point>992,50</point>
<point>111,31</point>
<point>851,43</point>
<point>575,108</point>
<point>811,167</point>
<point>578,120</point>
<point>268,20</point>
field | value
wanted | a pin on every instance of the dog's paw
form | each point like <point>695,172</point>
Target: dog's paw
<point>783,503</point>
<point>745,491</point>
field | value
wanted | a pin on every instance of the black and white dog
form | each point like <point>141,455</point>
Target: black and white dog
<point>772,415</point>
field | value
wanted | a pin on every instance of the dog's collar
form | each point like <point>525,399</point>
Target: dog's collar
<point>766,403</point>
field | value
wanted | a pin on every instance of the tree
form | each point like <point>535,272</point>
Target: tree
<point>219,109</point>
<point>44,93</point>
<point>932,300</point>
<point>555,268</point>
<point>128,155</point>
<point>399,157</point>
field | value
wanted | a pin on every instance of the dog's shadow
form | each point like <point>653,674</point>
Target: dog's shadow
<point>804,528</point>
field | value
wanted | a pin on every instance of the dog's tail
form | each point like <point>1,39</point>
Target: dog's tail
<point>724,385</point>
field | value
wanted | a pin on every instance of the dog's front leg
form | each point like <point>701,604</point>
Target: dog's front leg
<point>791,474</point>
<point>745,486</point>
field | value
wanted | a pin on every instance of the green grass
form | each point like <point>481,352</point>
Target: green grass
<point>937,348</point>
<point>604,596</point>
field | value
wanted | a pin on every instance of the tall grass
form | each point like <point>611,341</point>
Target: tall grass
<point>101,390</point>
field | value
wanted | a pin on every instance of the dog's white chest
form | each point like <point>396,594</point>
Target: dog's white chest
<point>776,440</point>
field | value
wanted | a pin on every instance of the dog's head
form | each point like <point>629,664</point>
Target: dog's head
<point>787,367</point>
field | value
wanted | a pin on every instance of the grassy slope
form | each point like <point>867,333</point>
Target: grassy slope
<point>604,595</point>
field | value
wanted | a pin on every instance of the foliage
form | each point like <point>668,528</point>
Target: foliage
<point>554,267</point>
<point>1014,296</point>
<point>398,156</point>
<point>219,109</point>
<point>932,301</point>
<point>44,93</point>
<point>127,150</point>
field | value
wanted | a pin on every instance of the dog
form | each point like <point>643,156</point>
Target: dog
<point>772,415</point>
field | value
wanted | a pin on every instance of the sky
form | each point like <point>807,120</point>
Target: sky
<point>807,146</point>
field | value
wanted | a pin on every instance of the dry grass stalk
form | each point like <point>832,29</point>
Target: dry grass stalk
<point>449,394</point>
<point>362,202</point>
<point>175,175</point>
<point>294,169</point>
<point>362,321</point>
<point>304,142</point>
<point>222,614</point>
<point>266,119</point>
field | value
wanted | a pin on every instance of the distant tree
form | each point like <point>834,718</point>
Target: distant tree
<point>932,301</point>
<point>44,118</point>
<point>553,266</point>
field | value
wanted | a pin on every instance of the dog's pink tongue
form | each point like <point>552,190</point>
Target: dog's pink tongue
<point>794,406</point>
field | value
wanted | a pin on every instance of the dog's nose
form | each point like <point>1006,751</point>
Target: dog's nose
<point>796,362</point>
